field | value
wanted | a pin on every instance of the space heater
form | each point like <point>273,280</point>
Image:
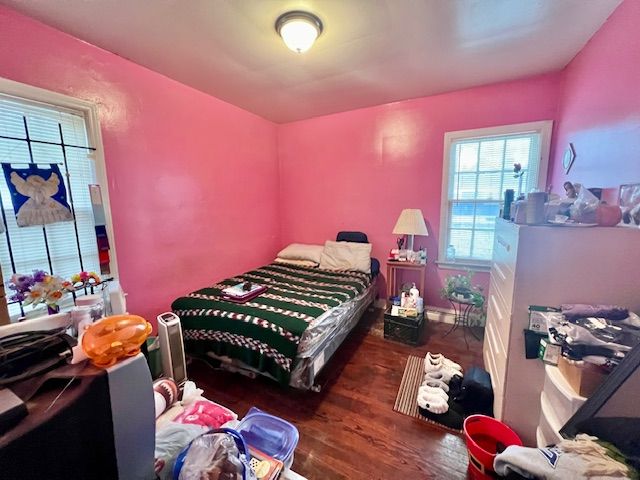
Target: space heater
<point>174,364</point>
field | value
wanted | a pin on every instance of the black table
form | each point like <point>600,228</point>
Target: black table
<point>462,308</point>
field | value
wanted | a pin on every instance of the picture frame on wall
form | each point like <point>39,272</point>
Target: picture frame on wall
<point>629,201</point>
<point>568,158</point>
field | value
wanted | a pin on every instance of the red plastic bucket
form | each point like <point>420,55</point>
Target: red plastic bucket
<point>482,435</point>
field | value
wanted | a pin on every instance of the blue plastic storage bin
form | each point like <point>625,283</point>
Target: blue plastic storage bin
<point>271,435</point>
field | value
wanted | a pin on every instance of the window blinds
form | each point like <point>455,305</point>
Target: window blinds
<point>28,243</point>
<point>481,170</point>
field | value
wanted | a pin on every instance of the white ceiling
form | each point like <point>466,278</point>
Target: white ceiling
<point>371,51</point>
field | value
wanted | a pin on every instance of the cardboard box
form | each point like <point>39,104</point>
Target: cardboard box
<point>583,377</point>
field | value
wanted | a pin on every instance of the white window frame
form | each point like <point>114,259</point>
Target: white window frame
<point>46,98</point>
<point>544,128</point>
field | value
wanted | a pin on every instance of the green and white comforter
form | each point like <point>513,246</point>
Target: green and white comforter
<point>264,333</point>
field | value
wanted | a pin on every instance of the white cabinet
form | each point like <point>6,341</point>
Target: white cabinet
<point>540,265</point>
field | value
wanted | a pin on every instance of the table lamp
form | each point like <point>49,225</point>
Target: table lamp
<point>410,223</point>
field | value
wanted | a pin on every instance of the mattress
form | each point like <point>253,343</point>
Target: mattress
<point>320,343</point>
<point>300,307</point>
<point>316,351</point>
<point>330,322</point>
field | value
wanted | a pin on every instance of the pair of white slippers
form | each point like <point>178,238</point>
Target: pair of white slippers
<point>433,393</point>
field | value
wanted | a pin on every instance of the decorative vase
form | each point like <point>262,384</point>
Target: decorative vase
<point>53,309</point>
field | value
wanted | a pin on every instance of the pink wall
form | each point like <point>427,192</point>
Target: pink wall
<point>357,170</point>
<point>599,109</point>
<point>306,180</point>
<point>176,159</point>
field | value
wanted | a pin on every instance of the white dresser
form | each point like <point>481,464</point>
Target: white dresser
<point>547,266</point>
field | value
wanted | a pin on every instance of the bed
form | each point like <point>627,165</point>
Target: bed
<point>287,333</point>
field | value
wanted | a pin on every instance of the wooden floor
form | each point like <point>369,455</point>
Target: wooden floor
<point>349,430</point>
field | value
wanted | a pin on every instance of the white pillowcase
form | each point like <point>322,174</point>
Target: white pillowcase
<point>346,256</point>
<point>300,251</point>
<point>298,263</point>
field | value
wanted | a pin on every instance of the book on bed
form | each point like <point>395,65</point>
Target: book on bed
<point>238,291</point>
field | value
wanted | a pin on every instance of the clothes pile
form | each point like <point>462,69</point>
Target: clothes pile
<point>178,422</point>
<point>583,457</point>
<point>598,334</point>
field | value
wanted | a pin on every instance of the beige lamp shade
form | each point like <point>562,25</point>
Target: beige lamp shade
<point>411,222</point>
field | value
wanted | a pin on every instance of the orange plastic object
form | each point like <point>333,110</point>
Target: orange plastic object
<point>112,338</point>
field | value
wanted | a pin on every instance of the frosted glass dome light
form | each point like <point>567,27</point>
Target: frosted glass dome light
<point>299,30</point>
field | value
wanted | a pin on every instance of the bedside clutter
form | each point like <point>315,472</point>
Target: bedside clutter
<point>404,321</point>
<point>404,329</point>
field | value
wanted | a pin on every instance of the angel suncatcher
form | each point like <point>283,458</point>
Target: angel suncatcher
<point>37,201</point>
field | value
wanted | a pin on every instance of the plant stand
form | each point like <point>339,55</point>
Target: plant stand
<point>462,310</point>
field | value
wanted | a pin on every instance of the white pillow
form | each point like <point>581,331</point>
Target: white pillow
<point>299,263</point>
<point>346,256</point>
<point>300,251</point>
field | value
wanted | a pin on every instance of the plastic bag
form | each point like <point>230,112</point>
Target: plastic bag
<point>190,393</point>
<point>630,204</point>
<point>216,455</point>
<point>170,441</point>
<point>584,208</point>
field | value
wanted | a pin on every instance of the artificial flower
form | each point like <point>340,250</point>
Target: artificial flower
<point>517,170</point>
<point>38,288</point>
<point>39,276</point>
<point>85,278</point>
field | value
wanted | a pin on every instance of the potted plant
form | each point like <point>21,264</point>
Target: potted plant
<point>460,289</point>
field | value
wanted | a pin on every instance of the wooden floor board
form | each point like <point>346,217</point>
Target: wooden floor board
<point>349,430</point>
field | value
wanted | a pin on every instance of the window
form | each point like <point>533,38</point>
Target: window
<point>55,248</point>
<point>478,168</point>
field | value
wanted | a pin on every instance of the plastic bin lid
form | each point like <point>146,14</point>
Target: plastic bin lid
<point>272,435</point>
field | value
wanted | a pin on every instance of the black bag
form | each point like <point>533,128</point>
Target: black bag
<point>476,393</point>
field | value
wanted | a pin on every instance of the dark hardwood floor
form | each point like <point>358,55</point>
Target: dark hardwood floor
<point>349,430</point>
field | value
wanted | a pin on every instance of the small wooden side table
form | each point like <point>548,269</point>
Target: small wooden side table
<point>392,275</point>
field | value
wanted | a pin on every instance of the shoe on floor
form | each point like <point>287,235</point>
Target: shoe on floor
<point>432,390</point>
<point>435,384</point>
<point>442,373</point>
<point>435,359</point>
<point>432,402</point>
<point>451,418</point>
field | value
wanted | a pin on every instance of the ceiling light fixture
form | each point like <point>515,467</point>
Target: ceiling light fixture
<point>299,30</point>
